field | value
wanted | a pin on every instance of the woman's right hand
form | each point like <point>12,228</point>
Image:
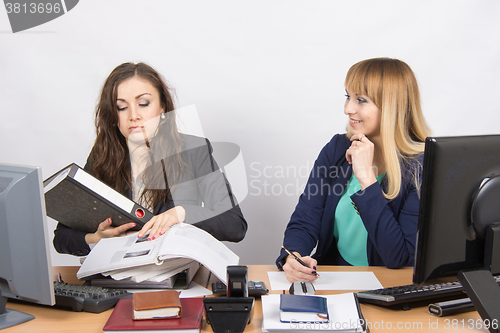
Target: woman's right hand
<point>294,271</point>
<point>360,155</point>
<point>105,230</point>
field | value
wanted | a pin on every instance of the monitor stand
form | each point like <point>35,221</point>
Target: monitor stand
<point>480,285</point>
<point>484,293</point>
<point>9,317</point>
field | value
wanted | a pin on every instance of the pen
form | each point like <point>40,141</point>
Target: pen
<point>299,260</point>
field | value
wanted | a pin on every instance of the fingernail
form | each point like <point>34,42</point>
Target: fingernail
<point>153,237</point>
<point>149,238</point>
<point>313,272</point>
<point>135,224</point>
<point>314,267</point>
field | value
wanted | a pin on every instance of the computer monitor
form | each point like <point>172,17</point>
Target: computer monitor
<point>459,216</point>
<point>25,267</point>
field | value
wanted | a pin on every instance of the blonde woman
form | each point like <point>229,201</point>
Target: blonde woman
<point>360,205</point>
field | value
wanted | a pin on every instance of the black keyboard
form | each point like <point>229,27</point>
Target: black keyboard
<point>412,293</point>
<point>86,297</point>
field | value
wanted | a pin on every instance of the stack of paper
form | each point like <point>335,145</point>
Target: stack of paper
<point>140,260</point>
<point>152,273</point>
<point>150,276</point>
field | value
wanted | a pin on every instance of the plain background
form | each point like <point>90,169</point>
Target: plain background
<point>266,75</point>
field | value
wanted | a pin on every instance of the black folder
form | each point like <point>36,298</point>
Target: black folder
<point>80,201</point>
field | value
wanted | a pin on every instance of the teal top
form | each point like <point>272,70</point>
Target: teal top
<point>349,230</point>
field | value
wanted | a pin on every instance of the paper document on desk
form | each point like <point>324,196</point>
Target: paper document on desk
<point>180,241</point>
<point>194,290</point>
<point>331,281</point>
<point>343,312</point>
<point>153,273</point>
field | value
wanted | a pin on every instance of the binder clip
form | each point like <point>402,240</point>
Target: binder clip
<point>234,312</point>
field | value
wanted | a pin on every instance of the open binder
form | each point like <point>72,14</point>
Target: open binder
<point>182,244</point>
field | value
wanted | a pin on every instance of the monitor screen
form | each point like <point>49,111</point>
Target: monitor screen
<point>454,169</point>
<point>25,267</point>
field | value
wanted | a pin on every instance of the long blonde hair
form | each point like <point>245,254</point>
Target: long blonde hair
<point>392,86</point>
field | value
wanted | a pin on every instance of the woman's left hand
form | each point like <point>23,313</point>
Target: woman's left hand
<point>360,155</point>
<point>160,223</point>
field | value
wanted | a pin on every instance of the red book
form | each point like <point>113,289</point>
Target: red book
<point>190,322</point>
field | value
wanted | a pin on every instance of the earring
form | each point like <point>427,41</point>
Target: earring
<point>162,116</point>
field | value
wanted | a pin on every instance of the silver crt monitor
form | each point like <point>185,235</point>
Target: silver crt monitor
<point>25,267</point>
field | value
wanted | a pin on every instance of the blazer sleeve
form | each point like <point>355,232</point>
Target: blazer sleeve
<point>220,214</point>
<point>303,231</point>
<point>391,231</point>
<point>70,241</point>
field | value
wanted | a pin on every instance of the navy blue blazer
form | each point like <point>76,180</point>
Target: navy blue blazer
<point>391,225</point>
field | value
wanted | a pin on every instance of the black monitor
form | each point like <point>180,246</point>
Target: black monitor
<point>459,217</point>
<point>25,267</point>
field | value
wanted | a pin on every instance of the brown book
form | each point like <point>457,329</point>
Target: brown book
<point>157,305</point>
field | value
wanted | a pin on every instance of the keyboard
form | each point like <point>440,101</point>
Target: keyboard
<point>86,297</point>
<point>412,293</point>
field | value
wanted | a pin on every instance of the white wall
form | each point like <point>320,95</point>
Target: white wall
<point>266,75</point>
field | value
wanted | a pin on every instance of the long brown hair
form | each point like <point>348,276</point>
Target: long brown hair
<point>109,158</point>
<point>392,86</point>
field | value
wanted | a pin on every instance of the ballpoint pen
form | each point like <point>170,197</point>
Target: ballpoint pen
<point>299,260</point>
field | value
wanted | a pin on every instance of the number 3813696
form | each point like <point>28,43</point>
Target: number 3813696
<point>33,8</point>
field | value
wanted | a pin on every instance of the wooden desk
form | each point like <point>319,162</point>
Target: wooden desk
<point>379,319</point>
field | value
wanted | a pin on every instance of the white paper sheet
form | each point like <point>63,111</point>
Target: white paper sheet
<point>194,290</point>
<point>201,246</point>
<point>331,281</point>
